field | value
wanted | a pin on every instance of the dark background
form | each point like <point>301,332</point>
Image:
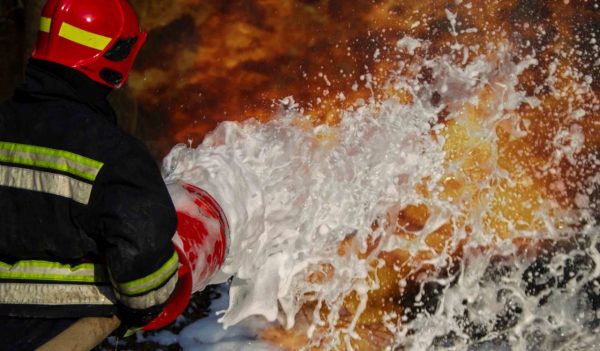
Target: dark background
<point>17,35</point>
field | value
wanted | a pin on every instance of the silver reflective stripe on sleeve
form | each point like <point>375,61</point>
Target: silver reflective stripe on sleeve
<point>151,290</point>
<point>55,294</point>
<point>153,298</point>
<point>151,281</point>
<point>46,182</point>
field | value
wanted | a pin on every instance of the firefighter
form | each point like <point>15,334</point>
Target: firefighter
<point>86,221</point>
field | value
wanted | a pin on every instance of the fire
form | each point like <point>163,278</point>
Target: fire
<point>235,60</point>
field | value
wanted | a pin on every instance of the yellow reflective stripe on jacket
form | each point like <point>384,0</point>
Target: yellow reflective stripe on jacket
<point>53,272</point>
<point>83,37</point>
<point>153,298</point>
<point>151,281</point>
<point>45,182</point>
<point>43,157</point>
<point>45,23</point>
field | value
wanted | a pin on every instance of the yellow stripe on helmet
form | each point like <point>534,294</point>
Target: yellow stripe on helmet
<point>83,37</point>
<point>45,23</point>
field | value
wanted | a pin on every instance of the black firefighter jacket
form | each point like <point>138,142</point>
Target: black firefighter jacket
<point>85,218</point>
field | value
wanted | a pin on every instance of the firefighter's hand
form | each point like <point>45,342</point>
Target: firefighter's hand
<point>133,320</point>
<point>124,332</point>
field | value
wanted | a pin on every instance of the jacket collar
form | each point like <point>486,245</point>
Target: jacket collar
<point>46,80</point>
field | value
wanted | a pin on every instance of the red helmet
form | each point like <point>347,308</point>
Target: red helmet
<point>99,38</point>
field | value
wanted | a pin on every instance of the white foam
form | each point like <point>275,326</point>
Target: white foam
<point>292,192</point>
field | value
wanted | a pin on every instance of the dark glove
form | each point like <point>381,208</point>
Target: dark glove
<point>124,331</point>
<point>132,319</point>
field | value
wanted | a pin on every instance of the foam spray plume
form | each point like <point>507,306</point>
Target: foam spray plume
<point>455,206</point>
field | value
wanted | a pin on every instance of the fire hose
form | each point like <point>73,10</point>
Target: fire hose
<point>201,242</point>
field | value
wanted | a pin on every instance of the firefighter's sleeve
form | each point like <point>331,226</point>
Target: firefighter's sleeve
<point>136,220</point>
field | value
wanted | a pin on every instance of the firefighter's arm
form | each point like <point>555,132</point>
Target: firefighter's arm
<point>136,220</point>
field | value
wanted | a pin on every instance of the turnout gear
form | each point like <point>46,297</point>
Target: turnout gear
<point>87,221</point>
<point>99,38</point>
